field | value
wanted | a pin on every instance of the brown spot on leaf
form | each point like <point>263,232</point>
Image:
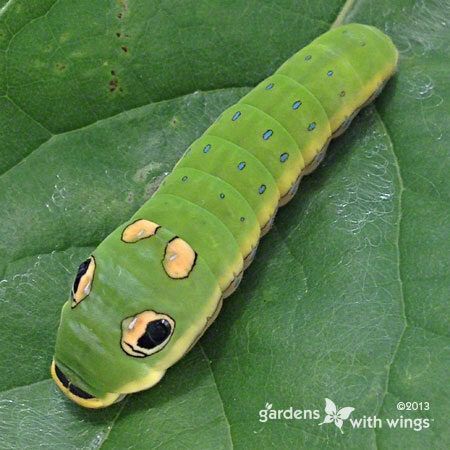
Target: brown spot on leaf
<point>113,84</point>
<point>124,48</point>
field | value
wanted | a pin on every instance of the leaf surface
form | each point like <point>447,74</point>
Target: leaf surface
<point>348,296</point>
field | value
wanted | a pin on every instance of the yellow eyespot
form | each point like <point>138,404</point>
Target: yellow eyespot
<point>179,258</point>
<point>146,333</point>
<point>141,229</point>
<point>82,285</point>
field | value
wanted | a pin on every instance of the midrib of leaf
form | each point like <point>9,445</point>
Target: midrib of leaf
<point>343,13</point>
<point>113,421</point>
<point>6,6</point>
<point>218,392</point>
<point>339,20</point>
<point>399,275</point>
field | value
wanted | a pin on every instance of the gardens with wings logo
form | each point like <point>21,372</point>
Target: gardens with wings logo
<point>339,415</point>
<point>336,415</point>
<point>333,414</point>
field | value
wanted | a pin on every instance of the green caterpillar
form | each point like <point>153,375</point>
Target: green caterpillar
<point>155,284</point>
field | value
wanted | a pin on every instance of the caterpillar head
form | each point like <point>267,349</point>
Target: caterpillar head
<point>136,306</point>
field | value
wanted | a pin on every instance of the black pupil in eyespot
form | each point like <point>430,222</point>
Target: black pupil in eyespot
<point>156,333</point>
<point>81,271</point>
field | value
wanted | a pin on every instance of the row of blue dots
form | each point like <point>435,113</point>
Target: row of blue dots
<point>295,105</point>
<point>241,166</point>
<point>268,133</point>
<point>261,189</point>
<point>298,103</point>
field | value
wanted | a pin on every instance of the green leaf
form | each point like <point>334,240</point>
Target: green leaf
<point>348,296</point>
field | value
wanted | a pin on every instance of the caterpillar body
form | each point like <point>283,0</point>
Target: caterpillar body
<point>154,285</point>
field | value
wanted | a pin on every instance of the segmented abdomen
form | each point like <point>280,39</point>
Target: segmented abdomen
<point>229,183</point>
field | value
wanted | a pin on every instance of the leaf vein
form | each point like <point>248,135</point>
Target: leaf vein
<point>401,298</point>
<point>218,393</point>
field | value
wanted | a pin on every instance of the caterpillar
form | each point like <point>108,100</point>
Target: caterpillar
<point>154,285</point>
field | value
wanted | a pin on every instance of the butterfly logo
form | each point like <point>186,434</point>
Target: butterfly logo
<point>335,415</point>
